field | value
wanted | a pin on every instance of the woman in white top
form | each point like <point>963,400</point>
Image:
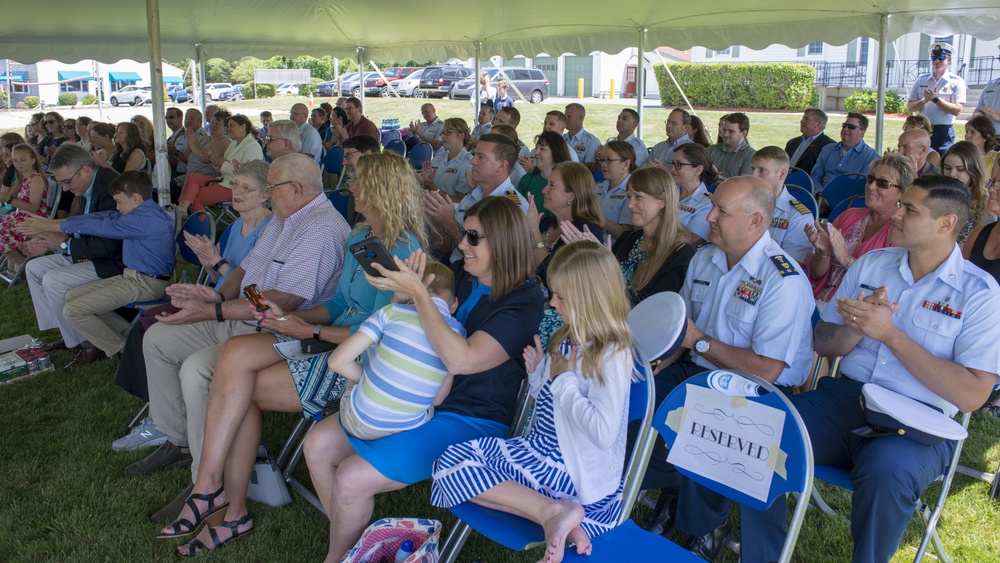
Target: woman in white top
<point>566,473</point>
<point>693,171</point>
<point>446,171</point>
<point>201,190</point>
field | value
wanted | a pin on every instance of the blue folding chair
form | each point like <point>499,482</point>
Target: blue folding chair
<point>333,160</point>
<point>391,135</point>
<point>805,197</point>
<point>641,545</point>
<point>853,201</point>
<point>799,177</point>
<point>419,154</point>
<point>199,223</point>
<point>341,201</point>
<point>711,189</point>
<point>843,187</point>
<point>397,146</point>
<point>658,326</point>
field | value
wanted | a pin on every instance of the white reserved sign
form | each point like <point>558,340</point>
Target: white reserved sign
<point>728,439</point>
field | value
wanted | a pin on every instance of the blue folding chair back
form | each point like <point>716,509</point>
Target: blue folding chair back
<point>799,177</point>
<point>853,201</point>
<point>199,223</point>
<point>804,197</point>
<point>397,146</point>
<point>843,187</point>
<point>391,135</point>
<point>419,154</point>
<point>672,416</point>
<point>333,160</point>
<point>341,201</point>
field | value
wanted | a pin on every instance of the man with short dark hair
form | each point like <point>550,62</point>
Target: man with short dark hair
<point>78,259</point>
<point>265,121</point>
<point>357,124</point>
<point>663,152</point>
<point>851,154</point>
<point>484,123</point>
<point>318,119</point>
<point>804,149</point>
<point>790,215</point>
<point>312,144</point>
<point>915,319</point>
<point>732,157</point>
<point>626,124</point>
<point>940,95</point>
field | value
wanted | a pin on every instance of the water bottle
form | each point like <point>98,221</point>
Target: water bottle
<point>405,549</point>
<point>185,277</point>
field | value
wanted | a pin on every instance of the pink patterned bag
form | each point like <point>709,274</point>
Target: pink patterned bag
<point>380,541</point>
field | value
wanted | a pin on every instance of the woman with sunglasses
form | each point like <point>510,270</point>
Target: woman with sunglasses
<point>617,162</point>
<point>52,124</point>
<point>693,171</point>
<point>252,377</point>
<point>500,311</point>
<point>201,190</point>
<point>857,230</point>
<point>69,131</point>
<point>34,131</point>
<point>964,162</point>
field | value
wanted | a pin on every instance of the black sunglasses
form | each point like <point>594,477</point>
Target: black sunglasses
<point>939,57</point>
<point>49,121</point>
<point>880,183</point>
<point>473,236</point>
<point>851,126</point>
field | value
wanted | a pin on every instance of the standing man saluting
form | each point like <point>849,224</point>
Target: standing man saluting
<point>940,95</point>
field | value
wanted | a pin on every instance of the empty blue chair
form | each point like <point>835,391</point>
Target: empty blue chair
<point>397,146</point>
<point>843,187</point>
<point>391,135</point>
<point>640,545</point>
<point>341,201</point>
<point>199,223</point>
<point>333,160</point>
<point>419,154</point>
<point>805,197</point>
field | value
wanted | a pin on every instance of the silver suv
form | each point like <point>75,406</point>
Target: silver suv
<point>132,95</point>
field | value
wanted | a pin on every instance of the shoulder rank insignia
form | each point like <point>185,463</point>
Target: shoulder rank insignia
<point>785,267</point>
<point>800,207</point>
<point>513,196</point>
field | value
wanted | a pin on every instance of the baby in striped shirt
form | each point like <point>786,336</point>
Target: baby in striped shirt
<point>401,377</point>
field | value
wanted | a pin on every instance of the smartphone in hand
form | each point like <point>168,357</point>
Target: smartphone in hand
<point>372,251</point>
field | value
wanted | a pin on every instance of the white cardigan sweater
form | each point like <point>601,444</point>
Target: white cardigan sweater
<point>591,422</point>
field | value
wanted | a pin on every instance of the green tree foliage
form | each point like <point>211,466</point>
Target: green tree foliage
<point>866,101</point>
<point>89,99</point>
<point>739,85</point>
<point>218,70</point>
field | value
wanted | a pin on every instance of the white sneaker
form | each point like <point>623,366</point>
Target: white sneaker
<point>142,436</point>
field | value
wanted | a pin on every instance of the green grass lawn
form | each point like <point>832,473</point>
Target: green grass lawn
<point>65,497</point>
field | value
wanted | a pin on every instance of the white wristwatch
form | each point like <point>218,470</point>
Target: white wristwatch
<point>702,344</point>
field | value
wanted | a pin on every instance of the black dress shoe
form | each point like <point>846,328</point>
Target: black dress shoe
<point>83,357</point>
<point>709,546</point>
<point>54,345</point>
<point>165,456</point>
<point>662,521</point>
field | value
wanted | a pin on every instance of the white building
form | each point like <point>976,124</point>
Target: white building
<point>47,79</point>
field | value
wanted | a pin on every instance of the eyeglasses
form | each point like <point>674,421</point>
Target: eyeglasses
<point>449,132</point>
<point>270,138</point>
<point>69,126</point>
<point>68,180</point>
<point>880,183</point>
<point>677,165</point>
<point>350,154</point>
<point>606,160</point>
<point>939,57</point>
<point>49,121</point>
<point>270,187</point>
<point>850,126</point>
<point>239,188</point>
<point>472,236</point>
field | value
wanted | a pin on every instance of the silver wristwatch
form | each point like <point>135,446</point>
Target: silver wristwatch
<point>702,344</point>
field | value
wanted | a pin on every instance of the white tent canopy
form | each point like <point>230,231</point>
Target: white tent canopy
<point>422,30</point>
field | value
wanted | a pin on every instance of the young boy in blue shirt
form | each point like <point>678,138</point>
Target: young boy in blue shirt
<point>148,252</point>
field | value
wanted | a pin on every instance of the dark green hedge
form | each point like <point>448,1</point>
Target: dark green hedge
<point>68,99</point>
<point>739,85</point>
<point>866,101</point>
<point>263,90</point>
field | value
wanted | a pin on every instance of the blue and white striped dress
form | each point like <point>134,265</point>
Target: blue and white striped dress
<point>471,468</point>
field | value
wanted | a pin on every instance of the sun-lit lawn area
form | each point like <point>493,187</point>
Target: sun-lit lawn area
<point>64,496</point>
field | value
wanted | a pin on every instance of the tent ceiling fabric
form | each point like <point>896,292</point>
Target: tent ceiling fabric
<point>438,30</point>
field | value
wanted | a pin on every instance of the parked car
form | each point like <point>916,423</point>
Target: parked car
<point>531,82</point>
<point>179,95</point>
<point>379,87</point>
<point>132,95</point>
<point>437,80</point>
<point>328,88</point>
<point>410,86</point>
<point>212,90</point>
<point>233,94</point>
<point>288,90</point>
<point>351,86</point>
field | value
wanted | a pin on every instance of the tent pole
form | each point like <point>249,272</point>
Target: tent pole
<point>640,79</point>
<point>10,91</point>
<point>883,33</point>
<point>100,90</point>
<point>478,91</point>
<point>200,61</point>
<point>361,76</point>
<point>156,83</point>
